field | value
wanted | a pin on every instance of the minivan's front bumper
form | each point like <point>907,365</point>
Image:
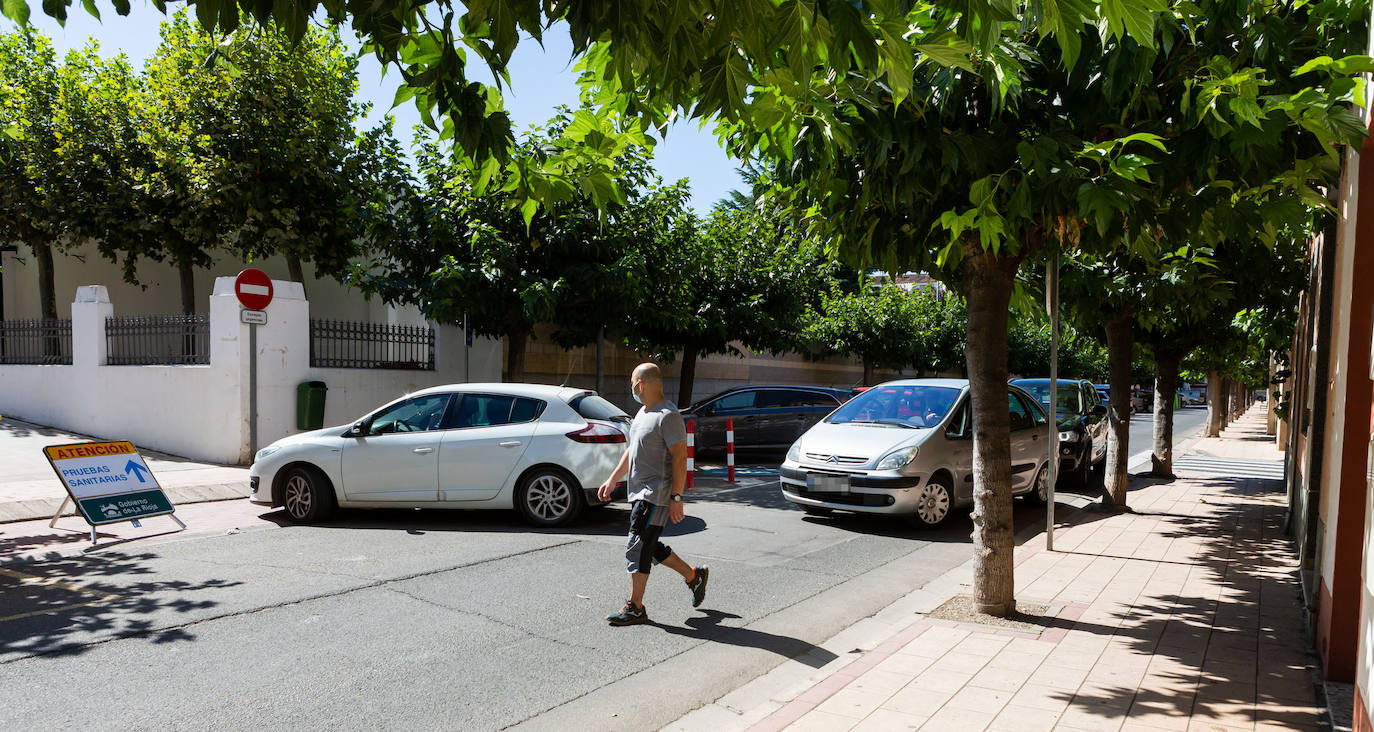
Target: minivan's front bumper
<point>869,491</point>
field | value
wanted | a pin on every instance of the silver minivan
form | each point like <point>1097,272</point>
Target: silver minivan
<point>906,448</point>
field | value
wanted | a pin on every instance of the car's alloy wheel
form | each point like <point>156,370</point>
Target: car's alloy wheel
<point>550,498</point>
<point>306,496</point>
<point>1039,493</point>
<point>933,503</point>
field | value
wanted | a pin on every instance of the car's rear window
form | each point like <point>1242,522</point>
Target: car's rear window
<point>592,406</point>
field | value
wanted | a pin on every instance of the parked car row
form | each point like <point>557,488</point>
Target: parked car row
<point>903,447</point>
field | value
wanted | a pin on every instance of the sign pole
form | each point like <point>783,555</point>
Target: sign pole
<point>254,291</point>
<point>1052,304</point>
<point>252,390</point>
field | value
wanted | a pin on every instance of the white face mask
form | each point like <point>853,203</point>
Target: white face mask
<point>635,394</point>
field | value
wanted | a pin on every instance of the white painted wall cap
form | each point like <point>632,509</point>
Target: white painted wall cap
<point>281,289</point>
<point>92,293</point>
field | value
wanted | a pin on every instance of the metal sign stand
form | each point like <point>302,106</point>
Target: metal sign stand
<point>1052,304</point>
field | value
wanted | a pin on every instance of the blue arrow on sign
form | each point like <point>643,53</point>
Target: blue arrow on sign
<point>136,469</point>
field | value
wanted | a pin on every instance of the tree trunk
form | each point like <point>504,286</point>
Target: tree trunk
<point>1216,406</point>
<point>47,289</point>
<point>186,273</point>
<point>868,372</point>
<point>294,269</point>
<point>1166,386</point>
<point>1271,389</point>
<point>987,285</point>
<point>687,376</point>
<point>517,339</point>
<point>1119,336</point>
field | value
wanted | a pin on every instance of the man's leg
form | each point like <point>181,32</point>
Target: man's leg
<point>675,563</point>
<point>638,581</point>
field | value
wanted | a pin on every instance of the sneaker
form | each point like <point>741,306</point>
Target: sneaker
<point>629,615</point>
<point>698,585</point>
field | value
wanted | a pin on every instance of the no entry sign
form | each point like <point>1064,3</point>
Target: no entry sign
<point>253,288</point>
<point>108,481</point>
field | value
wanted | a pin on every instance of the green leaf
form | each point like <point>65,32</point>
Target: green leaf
<point>1133,17</point>
<point>1320,62</point>
<point>16,10</point>
<point>527,211</point>
<point>1145,137</point>
<point>952,51</point>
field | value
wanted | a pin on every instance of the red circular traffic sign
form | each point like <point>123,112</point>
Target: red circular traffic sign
<point>253,288</point>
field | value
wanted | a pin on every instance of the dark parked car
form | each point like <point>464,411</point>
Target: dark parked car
<point>1082,425</point>
<point>771,416</point>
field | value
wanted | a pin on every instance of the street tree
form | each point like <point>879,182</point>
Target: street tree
<point>452,251</point>
<point>64,123</point>
<point>244,144</point>
<point>740,279</point>
<point>878,325</point>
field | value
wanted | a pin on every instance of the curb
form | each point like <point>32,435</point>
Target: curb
<point>43,508</point>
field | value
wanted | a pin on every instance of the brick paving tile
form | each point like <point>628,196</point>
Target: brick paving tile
<point>1025,719</point>
<point>917,701</point>
<point>950,719</point>
<point>888,720</point>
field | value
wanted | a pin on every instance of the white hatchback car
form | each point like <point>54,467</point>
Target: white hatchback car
<point>543,450</point>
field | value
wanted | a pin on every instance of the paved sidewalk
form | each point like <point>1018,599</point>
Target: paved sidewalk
<point>30,489</point>
<point>1181,614</point>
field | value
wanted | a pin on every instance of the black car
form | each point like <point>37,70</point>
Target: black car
<point>1082,425</point>
<point>771,416</point>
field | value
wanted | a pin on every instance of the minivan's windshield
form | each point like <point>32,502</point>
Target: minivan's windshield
<point>898,406</point>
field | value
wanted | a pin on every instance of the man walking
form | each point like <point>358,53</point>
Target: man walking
<point>656,461</point>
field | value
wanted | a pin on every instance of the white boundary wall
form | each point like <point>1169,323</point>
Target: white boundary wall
<point>201,412</point>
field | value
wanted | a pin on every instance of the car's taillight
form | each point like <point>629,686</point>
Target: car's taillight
<point>597,434</point>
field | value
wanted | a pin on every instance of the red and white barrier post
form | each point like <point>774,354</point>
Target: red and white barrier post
<point>691,455</point>
<point>730,450</point>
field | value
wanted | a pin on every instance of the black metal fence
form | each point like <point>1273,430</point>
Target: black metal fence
<point>158,340</point>
<point>41,342</point>
<point>342,344</point>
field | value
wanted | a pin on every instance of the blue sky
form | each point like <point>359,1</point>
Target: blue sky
<point>541,79</point>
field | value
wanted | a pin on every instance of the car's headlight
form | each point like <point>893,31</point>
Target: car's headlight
<point>794,452</point>
<point>898,458</point>
<point>264,452</point>
<point>1068,436</point>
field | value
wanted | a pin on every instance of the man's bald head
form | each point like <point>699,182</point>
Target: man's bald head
<point>650,380</point>
<point>649,374</point>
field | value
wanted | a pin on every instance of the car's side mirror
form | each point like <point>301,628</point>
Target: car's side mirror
<point>1099,410</point>
<point>358,429</point>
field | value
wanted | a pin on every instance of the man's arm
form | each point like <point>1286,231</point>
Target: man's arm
<point>621,468</point>
<point>679,454</point>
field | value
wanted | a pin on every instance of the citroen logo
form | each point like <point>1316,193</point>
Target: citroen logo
<point>832,459</point>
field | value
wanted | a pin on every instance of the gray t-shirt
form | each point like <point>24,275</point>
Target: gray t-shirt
<point>651,465</point>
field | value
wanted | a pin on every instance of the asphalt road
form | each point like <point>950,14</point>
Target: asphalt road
<point>1187,424</point>
<point>429,620</point>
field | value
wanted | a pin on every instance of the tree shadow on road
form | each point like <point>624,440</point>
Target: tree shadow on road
<point>63,606</point>
<point>708,626</point>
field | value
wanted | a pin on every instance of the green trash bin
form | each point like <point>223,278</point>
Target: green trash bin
<point>310,405</point>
